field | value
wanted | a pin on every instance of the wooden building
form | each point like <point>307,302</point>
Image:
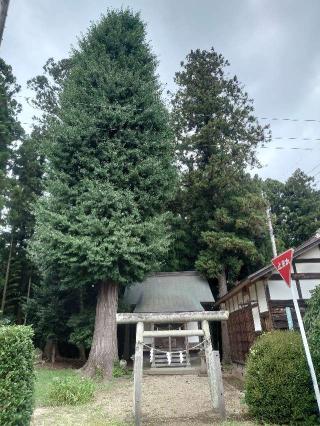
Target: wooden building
<point>262,301</point>
<point>168,292</point>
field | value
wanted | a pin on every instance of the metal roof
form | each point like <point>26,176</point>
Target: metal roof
<point>169,292</point>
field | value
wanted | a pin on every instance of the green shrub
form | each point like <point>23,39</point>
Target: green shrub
<point>72,390</point>
<point>16,375</point>
<point>278,387</point>
<point>312,324</point>
<point>119,371</point>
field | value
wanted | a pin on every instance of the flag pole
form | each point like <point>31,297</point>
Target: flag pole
<point>306,348</point>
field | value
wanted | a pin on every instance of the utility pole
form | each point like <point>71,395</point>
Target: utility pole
<point>4,4</point>
<point>270,227</point>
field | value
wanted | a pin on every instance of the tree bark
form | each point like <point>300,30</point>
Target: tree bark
<point>226,350</point>
<point>6,280</point>
<point>51,351</point>
<point>28,297</point>
<point>104,348</point>
<point>82,353</point>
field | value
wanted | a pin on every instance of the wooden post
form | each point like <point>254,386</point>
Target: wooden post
<point>214,373</point>
<point>219,384</point>
<point>4,4</point>
<point>203,365</point>
<point>153,363</point>
<point>138,369</point>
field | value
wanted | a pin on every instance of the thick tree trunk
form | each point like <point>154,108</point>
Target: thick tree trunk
<point>226,350</point>
<point>104,348</point>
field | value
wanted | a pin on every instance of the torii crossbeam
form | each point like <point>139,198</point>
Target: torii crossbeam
<point>212,357</point>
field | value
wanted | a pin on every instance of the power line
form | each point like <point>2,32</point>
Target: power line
<point>287,147</point>
<point>314,168</point>
<point>294,138</point>
<point>305,120</point>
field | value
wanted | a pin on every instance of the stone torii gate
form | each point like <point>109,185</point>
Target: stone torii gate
<point>212,357</point>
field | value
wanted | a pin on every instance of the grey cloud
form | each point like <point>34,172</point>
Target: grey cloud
<point>272,46</point>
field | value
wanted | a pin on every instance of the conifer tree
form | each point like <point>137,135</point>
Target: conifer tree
<point>11,133</point>
<point>295,206</point>
<point>25,185</point>
<point>10,128</point>
<point>216,136</point>
<point>101,220</point>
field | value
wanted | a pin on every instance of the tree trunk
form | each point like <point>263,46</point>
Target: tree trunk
<point>28,297</point>
<point>81,347</point>
<point>6,280</point>
<point>226,350</point>
<point>51,351</point>
<point>82,353</point>
<point>104,348</point>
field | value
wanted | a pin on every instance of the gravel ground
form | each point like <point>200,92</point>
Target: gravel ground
<point>169,400</point>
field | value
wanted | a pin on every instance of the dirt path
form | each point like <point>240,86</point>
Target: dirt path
<point>169,400</point>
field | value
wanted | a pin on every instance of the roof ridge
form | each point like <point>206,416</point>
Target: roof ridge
<point>178,273</point>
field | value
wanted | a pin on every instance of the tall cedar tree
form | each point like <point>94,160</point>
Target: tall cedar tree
<point>295,206</point>
<point>10,128</point>
<point>25,186</point>
<point>236,237</point>
<point>73,321</point>
<point>216,136</point>
<point>11,133</point>
<point>101,220</point>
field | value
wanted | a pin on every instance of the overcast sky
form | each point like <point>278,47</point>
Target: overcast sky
<point>273,47</point>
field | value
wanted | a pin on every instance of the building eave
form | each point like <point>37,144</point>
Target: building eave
<point>266,271</point>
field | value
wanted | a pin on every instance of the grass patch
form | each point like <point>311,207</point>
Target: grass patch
<point>71,391</point>
<point>44,378</point>
<point>92,414</point>
<point>119,371</point>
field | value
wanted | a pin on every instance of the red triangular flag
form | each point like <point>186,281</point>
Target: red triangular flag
<point>282,263</point>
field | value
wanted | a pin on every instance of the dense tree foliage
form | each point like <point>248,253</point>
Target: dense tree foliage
<point>20,184</point>
<point>10,128</point>
<point>220,211</point>
<point>295,206</point>
<point>100,163</point>
<point>25,187</point>
<point>109,173</point>
<point>236,237</point>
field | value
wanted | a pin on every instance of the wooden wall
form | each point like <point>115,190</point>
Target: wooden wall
<point>241,333</point>
<point>279,316</point>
